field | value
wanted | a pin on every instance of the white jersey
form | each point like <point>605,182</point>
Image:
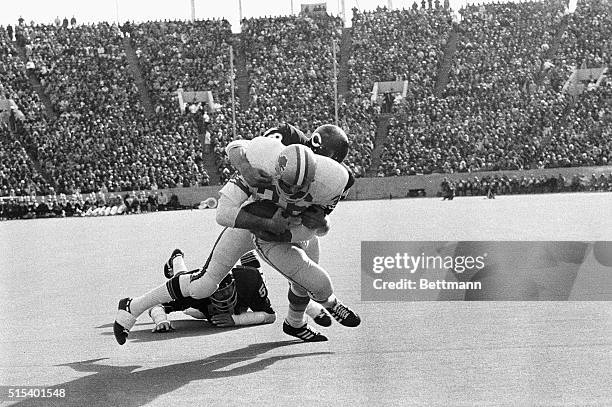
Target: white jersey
<point>330,181</point>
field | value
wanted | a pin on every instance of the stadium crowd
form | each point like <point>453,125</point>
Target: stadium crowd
<point>92,204</point>
<point>18,172</point>
<point>102,138</point>
<point>398,45</point>
<point>526,184</point>
<point>503,107</point>
<point>492,114</point>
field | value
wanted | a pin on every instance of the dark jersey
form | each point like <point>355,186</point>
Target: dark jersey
<point>288,134</point>
<point>251,292</point>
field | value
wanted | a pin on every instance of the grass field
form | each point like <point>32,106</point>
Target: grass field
<point>62,278</point>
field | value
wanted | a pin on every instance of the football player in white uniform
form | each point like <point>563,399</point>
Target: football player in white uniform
<point>307,187</point>
<point>236,239</point>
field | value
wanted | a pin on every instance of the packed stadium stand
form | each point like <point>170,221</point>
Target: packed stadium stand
<point>489,91</point>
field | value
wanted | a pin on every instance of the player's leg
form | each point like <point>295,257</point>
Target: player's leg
<point>228,248</point>
<point>315,310</point>
<point>293,262</point>
<point>295,324</point>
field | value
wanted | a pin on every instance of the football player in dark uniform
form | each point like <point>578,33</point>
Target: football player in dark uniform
<point>327,140</point>
<point>241,299</point>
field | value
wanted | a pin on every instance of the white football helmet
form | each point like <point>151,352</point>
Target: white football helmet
<point>296,166</point>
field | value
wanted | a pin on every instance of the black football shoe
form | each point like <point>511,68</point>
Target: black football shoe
<point>344,315</point>
<point>124,321</point>
<point>323,319</point>
<point>168,267</point>
<point>304,333</point>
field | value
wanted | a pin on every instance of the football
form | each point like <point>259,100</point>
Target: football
<point>267,209</point>
<point>263,209</point>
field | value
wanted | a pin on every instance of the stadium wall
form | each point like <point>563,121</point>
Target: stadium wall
<point>398,187</point>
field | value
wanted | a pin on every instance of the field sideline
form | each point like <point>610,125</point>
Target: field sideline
<point>62,279</point>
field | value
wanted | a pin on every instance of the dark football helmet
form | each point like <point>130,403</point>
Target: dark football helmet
<point>224,299</point>
<point>330,141</point>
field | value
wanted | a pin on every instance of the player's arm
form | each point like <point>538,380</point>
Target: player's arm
<point>349,183</point>
<point>246,318</point>
<point>277,224</point>
<point>345,182</point>
<point>160,319</point>
<point>230,214</point>
<point>236,152</point>
<point>194,313</point>
<point>316,217</point>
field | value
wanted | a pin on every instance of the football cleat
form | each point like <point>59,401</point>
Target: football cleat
<point>168,267</point>
<point>344,315</point>
<point>304,333</point>
<point>323,319</point>
<point>124,321</point>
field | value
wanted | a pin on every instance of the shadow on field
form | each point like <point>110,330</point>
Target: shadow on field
<point>184,329</point>
<point>122,386</point>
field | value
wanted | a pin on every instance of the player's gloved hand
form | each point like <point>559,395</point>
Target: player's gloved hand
<point>314,217</point>
<point>294,221</point>
<point>164,326</point>
<point>223,320</point>
<point>253,176</point>
<point>279,223</point>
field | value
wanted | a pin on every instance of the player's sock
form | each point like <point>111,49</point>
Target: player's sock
<point>178,264</point>
<point>158,295</point>
<point>297,306</point>
<point>250,260</point>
